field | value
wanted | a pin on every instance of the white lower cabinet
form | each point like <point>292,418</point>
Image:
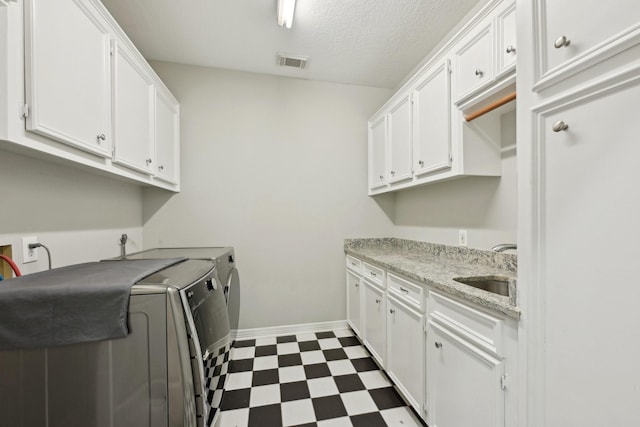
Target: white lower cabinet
<point>405,350</point>
<point>353,301</point>
<point>374,320</point>
<point>454,362</point>
<point>465,350</point>
<point>464,382</point>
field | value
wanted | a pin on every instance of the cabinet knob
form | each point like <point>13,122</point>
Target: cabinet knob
<point>377,301</point>
<point>357,285</point>
<point>479,73</point>
<point>148,161</point>
<point>561,41</point>
<point>381,177</point>
<point>559,126</point>
<point>393,173</point>
<point>101,137</point>
<point>438,344</point>
<point>421,162</point>
<point>161,168</point>
<point>511,49</point>
<point>392,310</point>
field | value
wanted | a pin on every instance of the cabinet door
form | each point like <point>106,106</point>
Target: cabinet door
<point>67,74</point>
<point>400,140</point>
<point>374,323</point>
<point>464,382</point>
<point>507,39</point>
<point>405,350</point>
<point>377,153</point>
<point>133,112</point>
<point>432,121</point>
<point>585,193</point>
<point>353,302</point>
<point>474,62</point>
<point>568,43</point>
<point>167,137</point>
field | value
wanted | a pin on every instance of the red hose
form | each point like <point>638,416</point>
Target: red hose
<point>12,264</point>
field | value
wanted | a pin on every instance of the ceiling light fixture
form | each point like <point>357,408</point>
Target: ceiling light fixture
<point>285,12</point>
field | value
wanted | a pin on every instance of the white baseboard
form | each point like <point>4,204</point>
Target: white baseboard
<point>288,330</point>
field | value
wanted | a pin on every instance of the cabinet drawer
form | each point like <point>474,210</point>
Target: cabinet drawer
<point>474,62</point>
<point>354,264</point>
<point>373,273</point>
<point>409,292</point>
<point>472,325</point>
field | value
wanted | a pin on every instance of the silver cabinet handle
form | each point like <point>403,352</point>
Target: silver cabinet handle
<point>148,161</point>
<point>353,263</point>
<point>392,310</point>
<point>438,344</point>
<point>377,301</point>
<point>559,126</point>
<point>406,291</point>
<point>479,73</point>
<point>511,49</point>
<point>161,168</point>
<point>372,273</point>
<point>561,41</point>
<point>101,137</point>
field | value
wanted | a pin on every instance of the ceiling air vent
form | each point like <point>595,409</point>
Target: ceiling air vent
<point>293,61</point>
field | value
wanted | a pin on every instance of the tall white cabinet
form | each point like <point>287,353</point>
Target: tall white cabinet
<point>578,89</point>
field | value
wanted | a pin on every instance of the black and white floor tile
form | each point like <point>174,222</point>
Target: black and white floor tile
<point>324,379</point>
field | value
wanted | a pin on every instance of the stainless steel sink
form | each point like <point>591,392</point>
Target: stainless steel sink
<point>495,284</point>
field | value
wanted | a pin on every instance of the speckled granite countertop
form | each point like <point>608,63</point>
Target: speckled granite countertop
<point>436,265</point>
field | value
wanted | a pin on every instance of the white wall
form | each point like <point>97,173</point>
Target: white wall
<point>275,167</point>
<point>486,207</point>
<point>78,215</point>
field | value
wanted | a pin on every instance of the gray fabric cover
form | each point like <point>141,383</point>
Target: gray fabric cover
<point>67,305</point>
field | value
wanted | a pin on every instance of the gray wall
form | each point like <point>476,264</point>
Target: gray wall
<point>78,215</point>
<point>275,167</point>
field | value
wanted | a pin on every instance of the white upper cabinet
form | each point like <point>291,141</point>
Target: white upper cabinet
<point>568,43</point>
<point>473,59</point>
<point>420,136</point>
<point>133,111</point>
<point>67,74</point>
<point>377,152</point>
<point>432,121</point>
<point>74,88</point>
<point>399,128</point>
<point>167,135</point>
<point>507,44</point>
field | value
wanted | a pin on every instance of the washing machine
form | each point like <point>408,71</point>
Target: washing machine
<point>227,273</point>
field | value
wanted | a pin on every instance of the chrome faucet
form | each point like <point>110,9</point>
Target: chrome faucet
<point>504,247</point>
<point>123,245</point>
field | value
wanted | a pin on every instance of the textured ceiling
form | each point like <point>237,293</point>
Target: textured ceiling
<point>364,42</point>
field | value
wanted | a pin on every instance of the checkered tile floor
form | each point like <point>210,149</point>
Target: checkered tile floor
<point>314,379</point>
